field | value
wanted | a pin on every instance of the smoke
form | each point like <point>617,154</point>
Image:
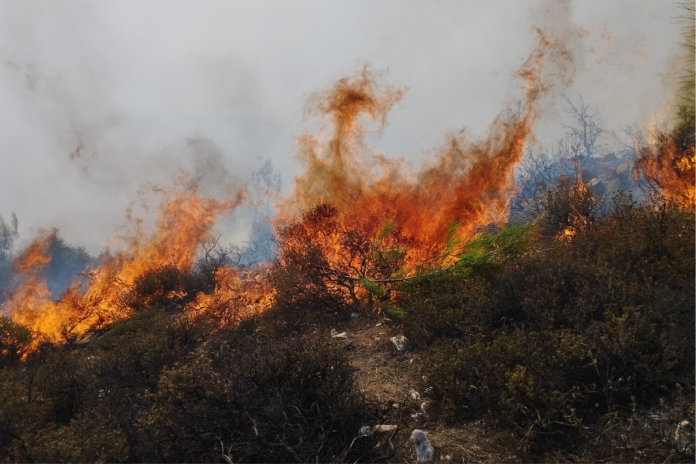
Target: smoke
<point>101,98</point>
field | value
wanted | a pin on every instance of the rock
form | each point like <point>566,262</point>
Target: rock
<point>424,450</point>
<point>415,396</point>
<point>399,342</point>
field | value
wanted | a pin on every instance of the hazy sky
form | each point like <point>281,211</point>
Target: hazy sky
<point>99,97</point>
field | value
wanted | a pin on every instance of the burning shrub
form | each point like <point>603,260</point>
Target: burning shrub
<point>667,165</point>
<point>168,287</point>
<point>570,205</point>
<point>255,399</point>
<point>323,264</point>
<point>15,341</point>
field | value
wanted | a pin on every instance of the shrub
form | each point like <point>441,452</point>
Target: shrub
<point>576,330</point>
<point>256,400</point>
<point>15,341</point>
<point>325,266</point>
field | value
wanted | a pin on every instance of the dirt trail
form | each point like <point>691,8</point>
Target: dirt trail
<point>388,378</point>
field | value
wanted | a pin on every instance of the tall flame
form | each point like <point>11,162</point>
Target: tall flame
<point>468,181</point>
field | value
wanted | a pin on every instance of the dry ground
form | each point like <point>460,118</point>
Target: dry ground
<point>388,378</point>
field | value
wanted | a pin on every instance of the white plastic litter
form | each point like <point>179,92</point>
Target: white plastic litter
<point>424,450</point>
<point>399,342</point>
<point>364,431</point>
<point>335,334</point>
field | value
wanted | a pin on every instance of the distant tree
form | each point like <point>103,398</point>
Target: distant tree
<point>8,235</point>
<point>587,128</point>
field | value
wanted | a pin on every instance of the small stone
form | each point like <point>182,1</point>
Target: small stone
<point>399,342</point>
<point>384,428</point>
<point>395,405</point>
<point>415,396</point>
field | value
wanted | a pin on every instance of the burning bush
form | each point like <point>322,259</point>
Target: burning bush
<point>15,342</point>
<point>667,165</point>
<point>325,265</point>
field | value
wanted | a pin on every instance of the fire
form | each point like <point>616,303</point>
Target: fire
<point>668,165</point>
<point>185,219</point>
<point>397,218</point>
<point>468,182</point>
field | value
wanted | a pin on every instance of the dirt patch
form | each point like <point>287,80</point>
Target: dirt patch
<point>387,377</point>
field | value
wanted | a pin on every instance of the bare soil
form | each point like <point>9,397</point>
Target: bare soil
<point>389,379</point>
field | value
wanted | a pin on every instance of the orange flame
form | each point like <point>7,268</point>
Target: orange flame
<point>185,220</point>
<point>469,182</point>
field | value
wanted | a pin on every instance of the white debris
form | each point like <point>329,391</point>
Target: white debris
<point>399,342</point>
<point>335,334</point>
<point>424,407</point>
<point>364,431</point>
<point>354,315</point>
<point>415,396</point>
<point>424,450</point>
<point>384,428</point>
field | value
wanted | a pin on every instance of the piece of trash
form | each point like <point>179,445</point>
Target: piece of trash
<point>335,334</point>
<point>384,428</point>
<point>354,315</point>
<point>364,431</point>
<point>415,396</point>
<point>399,342</point>
<point>424,450</point>
<point>424,407</point>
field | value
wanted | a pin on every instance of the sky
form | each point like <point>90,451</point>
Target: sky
<point>99,98</point>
